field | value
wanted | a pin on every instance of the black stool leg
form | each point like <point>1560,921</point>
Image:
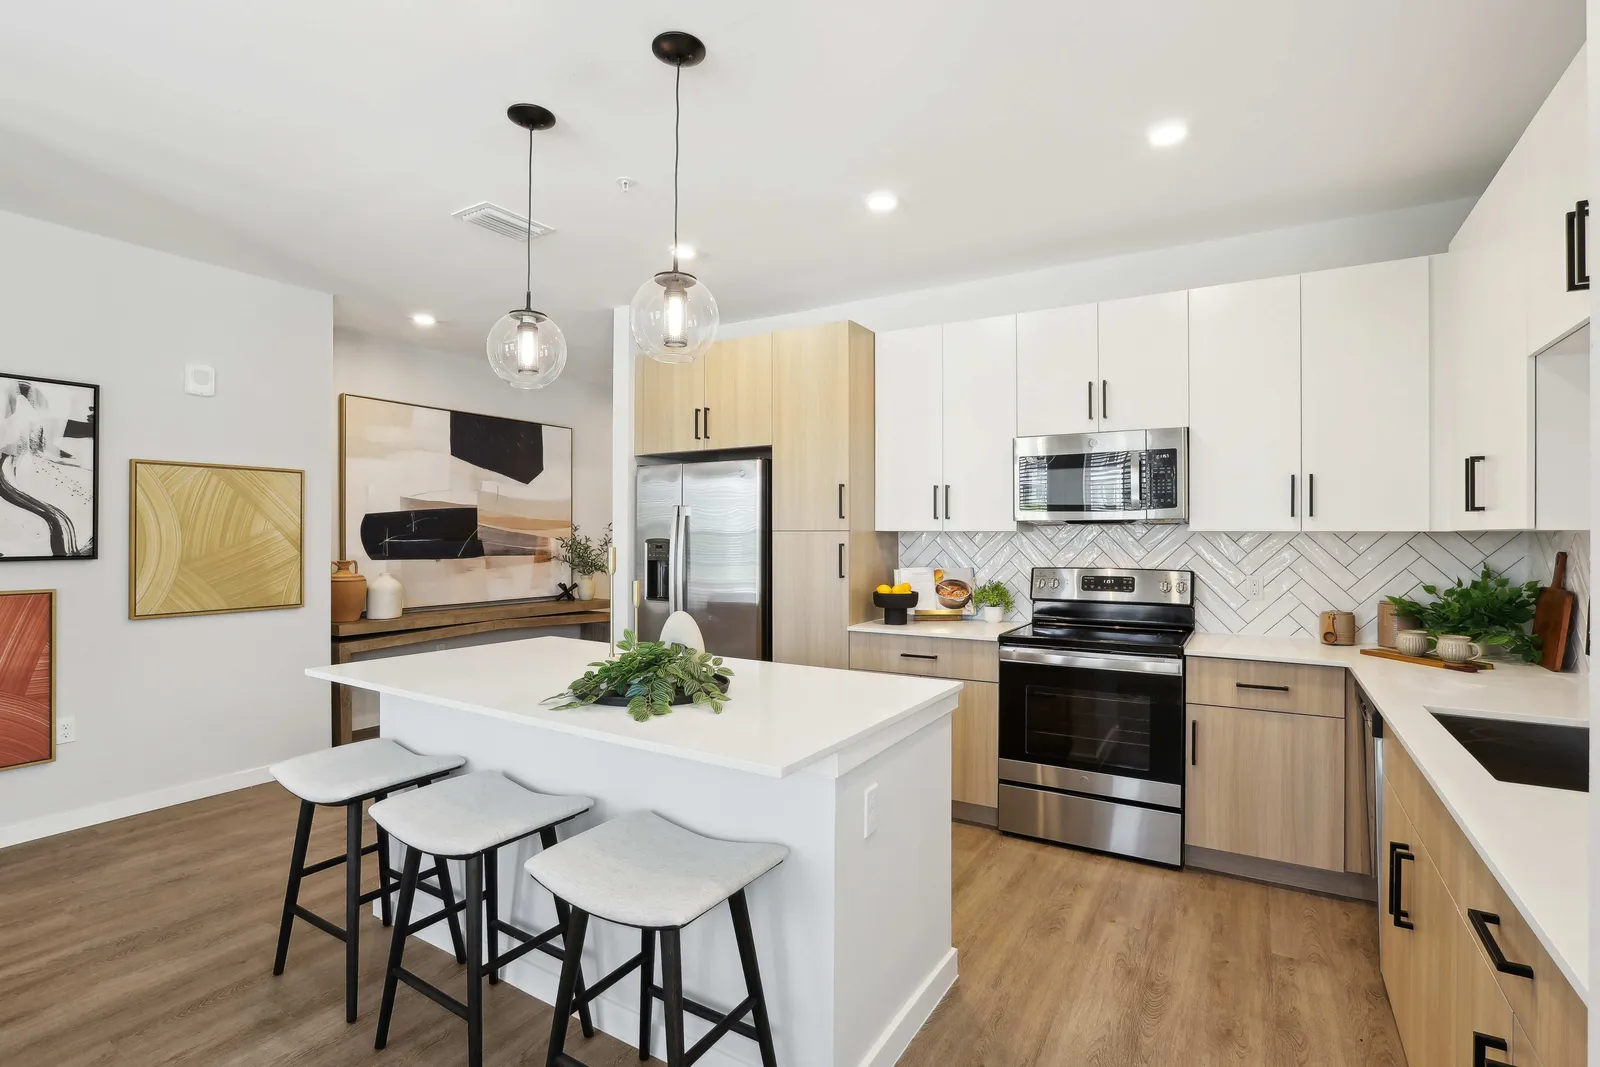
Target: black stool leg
<point>752,977</point>
<point>397,944</point>
<point>491,900</point>
<point>572,946</point>
<point>584,1019</point>
<point>385,872</point>
<point>352,908</point>
<point>647,977</point>
<point>449,899</point>
<point>291,895</point>
<point>672,990</point>
<point>474,934</point>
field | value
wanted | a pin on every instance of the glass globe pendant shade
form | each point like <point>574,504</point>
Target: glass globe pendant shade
<point>527,349</point>
<point>673,317</point>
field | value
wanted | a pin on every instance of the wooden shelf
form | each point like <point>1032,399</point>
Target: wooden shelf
<point>430,618</point>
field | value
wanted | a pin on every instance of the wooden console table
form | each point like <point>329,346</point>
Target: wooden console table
<point>351,639</point>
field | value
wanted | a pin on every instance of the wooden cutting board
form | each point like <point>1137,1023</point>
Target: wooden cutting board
<point>1469,667</point>
<point>1552,616</point>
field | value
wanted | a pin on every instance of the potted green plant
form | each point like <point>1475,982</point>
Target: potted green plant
<point>1488,610</point>
<point>995,600</point>
<point>648,678</point>
<point>586,556</point>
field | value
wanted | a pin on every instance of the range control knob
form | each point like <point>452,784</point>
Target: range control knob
<point>1183,587</point>
<point>1055,583</point>
<point>1166,586</point>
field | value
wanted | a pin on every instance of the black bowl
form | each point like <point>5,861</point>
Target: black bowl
<point>894,606</point>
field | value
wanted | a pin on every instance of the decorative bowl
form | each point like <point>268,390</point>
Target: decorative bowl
<point>894,606</point>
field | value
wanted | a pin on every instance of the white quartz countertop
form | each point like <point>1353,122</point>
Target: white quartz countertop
<point>960,629</point>
<point>779,718</point>
<point>1535,840</point>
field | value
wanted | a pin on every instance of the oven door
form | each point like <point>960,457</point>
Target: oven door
<point>1099,724</point>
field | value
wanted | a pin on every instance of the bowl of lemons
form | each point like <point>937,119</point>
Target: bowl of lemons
<point>894,600</point>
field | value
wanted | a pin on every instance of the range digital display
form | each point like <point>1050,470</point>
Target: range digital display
<point>1106,583</point>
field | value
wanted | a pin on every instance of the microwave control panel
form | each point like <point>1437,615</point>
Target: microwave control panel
<point>1160,479</point>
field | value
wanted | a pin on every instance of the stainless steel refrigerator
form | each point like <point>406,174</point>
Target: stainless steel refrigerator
<point>702,545</point>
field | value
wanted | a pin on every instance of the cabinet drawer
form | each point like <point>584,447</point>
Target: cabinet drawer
<point>934,657</point>
<point>1244,683</point>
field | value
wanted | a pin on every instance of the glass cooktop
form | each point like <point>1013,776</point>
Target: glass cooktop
<point>1130,640</point>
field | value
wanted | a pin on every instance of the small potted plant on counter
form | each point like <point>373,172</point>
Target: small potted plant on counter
<point>1489,611</point>
<point>586,556</point>
<point>995,600</point>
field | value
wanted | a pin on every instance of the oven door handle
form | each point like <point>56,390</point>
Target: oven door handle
<point>1104,661</point>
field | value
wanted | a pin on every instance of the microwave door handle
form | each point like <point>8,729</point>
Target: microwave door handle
<point>1135,481</point>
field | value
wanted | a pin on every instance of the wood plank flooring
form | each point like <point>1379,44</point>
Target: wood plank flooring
<point>149,941</point>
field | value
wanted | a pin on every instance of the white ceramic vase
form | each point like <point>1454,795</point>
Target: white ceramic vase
<point>994,613</point>
<point>385,598</point>
<point>585,587</point>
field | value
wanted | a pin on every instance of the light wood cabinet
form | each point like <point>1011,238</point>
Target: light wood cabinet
<point>822,427</point>
<point>1266,784</point>
<point>1244,406</point>
<point>1058,371</point>
<point>1294,688</point>
<point>1480,1007</point>
<point>1144,362</point>
<point>667,398</point>
<point>811,598</point>
<point>909,426</point>
<point>975,746</point>
<point>738,393</point>
<point>979,405</point>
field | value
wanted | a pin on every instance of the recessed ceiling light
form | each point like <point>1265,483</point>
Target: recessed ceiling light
<point>422,318</point>
<point>882,201</point>
<point>1167,132</point>
<point>685,250</point>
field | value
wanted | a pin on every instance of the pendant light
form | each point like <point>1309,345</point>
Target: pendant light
<point>526,348</point>
<point>673,316</point>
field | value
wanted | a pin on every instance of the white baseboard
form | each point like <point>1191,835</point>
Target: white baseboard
<point>106,811</point>
<point>893,1042</point>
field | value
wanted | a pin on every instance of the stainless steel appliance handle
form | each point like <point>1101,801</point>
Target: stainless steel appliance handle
<point>1102,661</point>
<point>1136,480</point>
<point>677,570</point>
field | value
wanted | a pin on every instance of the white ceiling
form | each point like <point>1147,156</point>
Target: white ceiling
<point>326,143</point>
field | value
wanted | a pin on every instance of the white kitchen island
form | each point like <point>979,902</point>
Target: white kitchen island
<point>852,930</point>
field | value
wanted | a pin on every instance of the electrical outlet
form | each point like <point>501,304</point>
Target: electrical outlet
<point>66,730</point>
<point>1252,588</point>
<point>869,811</point>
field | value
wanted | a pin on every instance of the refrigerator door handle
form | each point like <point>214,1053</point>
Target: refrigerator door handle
<point>680,559</point>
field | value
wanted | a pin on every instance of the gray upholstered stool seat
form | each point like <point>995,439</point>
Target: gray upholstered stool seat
<point>464,815</point>
<point>641,870</point>
<point>363,769</point>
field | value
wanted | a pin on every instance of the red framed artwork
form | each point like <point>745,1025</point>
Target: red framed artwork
<point>27,678</point>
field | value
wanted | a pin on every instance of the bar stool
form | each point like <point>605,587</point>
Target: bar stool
<point>345,777</point>
<point>642,871</point>
<point>470,818</point>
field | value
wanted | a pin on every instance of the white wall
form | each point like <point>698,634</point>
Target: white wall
<point>169,709</point>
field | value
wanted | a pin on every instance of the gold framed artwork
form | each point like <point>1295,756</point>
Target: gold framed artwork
<point>209,538</point>
<point>27,678</point>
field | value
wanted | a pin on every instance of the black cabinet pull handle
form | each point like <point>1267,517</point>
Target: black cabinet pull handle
<point>1481,921</point>
<point>1398,853</point>
<point>708,423</point>
<point>1194,742</point>
<point>1268,688</point>
<point>1090,384</point>
<point>1578,247</point>
<point>1481,1044</point>
<point>697,424</point>
<point>841,559</point>
<point>841,500</point>
<point>936,501</point>
<point>1291,496</point>
<point>1472,483</point>
<point>1311,496</point>
<point>916,655</point>
<point>947,501</point>
<point>1105,405</point>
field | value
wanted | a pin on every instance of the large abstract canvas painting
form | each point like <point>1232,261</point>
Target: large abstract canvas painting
<point>461,508</point>
<point>209,539</point>
<point>48,446</point>
<point>27,678</point>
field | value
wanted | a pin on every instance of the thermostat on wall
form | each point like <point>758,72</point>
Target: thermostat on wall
<point>199,380</point>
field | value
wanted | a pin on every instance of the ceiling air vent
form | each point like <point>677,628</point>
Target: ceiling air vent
<point>501,221</point>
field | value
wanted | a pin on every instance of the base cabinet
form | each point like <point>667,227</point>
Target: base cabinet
<point>975,746</point>
<point>810,579</point>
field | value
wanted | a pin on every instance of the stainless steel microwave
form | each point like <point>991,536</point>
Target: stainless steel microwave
<point>1120,476</point>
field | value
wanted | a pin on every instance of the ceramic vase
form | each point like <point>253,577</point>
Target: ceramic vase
<point>585,587</point>
<point>385,598</point>
<point>994,613</point>
<point>349,591</point>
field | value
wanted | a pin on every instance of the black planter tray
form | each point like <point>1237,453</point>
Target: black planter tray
<point>678,699</point>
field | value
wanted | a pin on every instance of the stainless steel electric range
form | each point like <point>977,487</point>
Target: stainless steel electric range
<point>1091,712</point>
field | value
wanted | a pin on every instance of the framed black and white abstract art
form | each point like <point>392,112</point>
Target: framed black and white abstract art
<point>49,445</point>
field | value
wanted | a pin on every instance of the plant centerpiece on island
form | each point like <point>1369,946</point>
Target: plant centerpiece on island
<point>586,556</point>
<point>1489,610</point>
<point>648,677</point>
<point>995,600</point>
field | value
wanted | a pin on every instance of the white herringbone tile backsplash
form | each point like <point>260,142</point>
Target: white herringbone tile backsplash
<point>1301,574</point>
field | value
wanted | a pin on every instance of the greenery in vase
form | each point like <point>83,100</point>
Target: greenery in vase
<point>1489,610</point>
<point>993,595</point>
<point>650,675</point>
<point>583,553</point>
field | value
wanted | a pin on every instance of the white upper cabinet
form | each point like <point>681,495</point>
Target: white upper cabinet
<point>1144,362</point>
<point>1558,178</point>
<point>1364,397</point>
<point>1058,371</point>
<point>1244,405</point>
<point>980,410</point>
<point>1561,434</point>
<point>909,399</point>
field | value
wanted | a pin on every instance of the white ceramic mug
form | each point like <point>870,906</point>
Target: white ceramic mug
<point>1411,642</point>
<point>1455,648</point>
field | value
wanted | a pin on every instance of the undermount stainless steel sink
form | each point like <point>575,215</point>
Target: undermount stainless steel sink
<point>1528,753</point>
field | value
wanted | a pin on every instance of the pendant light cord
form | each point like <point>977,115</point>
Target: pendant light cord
<point>528,296</point>
<point>677,121</point>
